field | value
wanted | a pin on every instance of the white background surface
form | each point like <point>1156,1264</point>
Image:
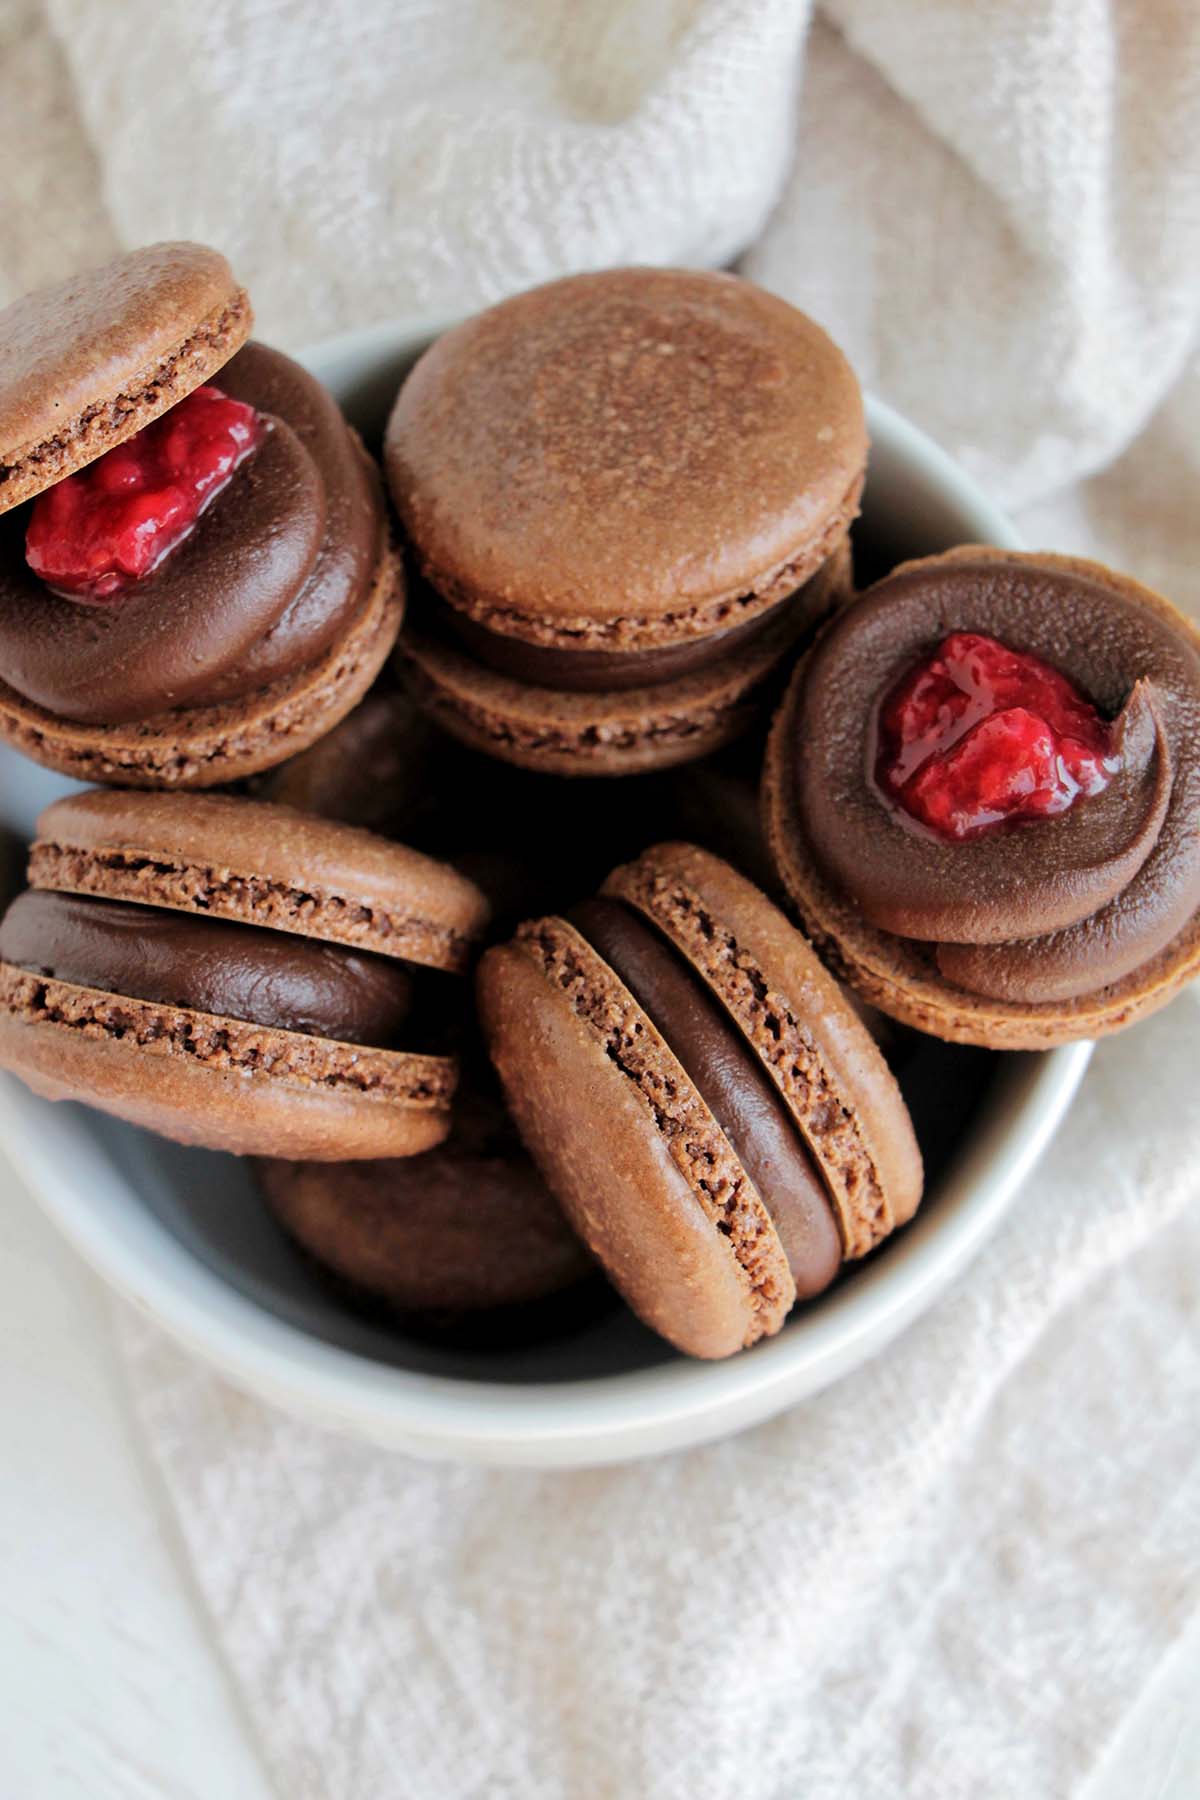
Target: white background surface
<point>110,1688</point>
<point>110,1685</point>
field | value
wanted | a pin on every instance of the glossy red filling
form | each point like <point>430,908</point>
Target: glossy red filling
<point>978,735</point>
<point>95,533</point>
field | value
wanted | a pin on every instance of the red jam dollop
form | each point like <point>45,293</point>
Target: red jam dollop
<point>93,534</point>
<point>978,735</point>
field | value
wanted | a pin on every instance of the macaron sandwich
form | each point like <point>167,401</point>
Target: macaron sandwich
<point>627,496</point>
<point>196,575</point>
<point>706,1103</point>
<point>237,974</point>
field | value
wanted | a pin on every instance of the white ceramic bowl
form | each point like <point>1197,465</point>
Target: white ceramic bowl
<point>178,1233</point>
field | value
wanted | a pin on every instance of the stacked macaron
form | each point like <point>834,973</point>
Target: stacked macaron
<point>628,495</point>
<point>625,501</point>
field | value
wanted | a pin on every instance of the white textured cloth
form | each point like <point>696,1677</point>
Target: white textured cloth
<point>955,1571</point>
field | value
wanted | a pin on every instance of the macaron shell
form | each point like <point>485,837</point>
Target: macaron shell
<point>621,733</point>
<point>614,1146</point>
<point>406,754</point>
<point>684,626</point>
<point>809,1038</point>
<point>202,1079</point>
<point>88,363</point>
<point>452,1231</point>
<point>207,746</point>
<point>261,864</point>
<point>631,445</point>
<point>900,975</point>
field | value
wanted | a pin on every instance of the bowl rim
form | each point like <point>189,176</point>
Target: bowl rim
<point>598,1419</point>
<point>573,1423</point>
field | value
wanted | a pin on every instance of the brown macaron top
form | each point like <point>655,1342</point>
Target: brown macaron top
<point>260,864</point>
<point>624,459</point>
<point>87,363</point>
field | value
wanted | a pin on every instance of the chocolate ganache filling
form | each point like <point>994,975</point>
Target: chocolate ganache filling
<point>731,1082</point>
<point>235,971</point>
<point>1039,909</point>
<point>616,671</point>
<point>271,573</point>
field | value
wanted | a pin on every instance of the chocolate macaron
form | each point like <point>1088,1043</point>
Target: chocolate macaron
<point>196,577</point>
<point>627,495</point>
<point>236,974</point>
<point>983,794</point>
<point>700,1095</point>
<point>464,1230</point>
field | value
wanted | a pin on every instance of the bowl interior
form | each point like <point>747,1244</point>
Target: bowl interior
<point>181,1232</point>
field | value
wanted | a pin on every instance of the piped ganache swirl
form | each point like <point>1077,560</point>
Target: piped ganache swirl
<point>1045,909</point>
<point>272,572</point>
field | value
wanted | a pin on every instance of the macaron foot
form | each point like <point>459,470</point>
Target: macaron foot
<point>628,732</point>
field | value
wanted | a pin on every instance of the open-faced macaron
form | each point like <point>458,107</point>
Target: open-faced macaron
<point>700,1095</point>
<point>196,578</point>
<point>628,495</point>
<point>983,794</point>
<point>237,974</point>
